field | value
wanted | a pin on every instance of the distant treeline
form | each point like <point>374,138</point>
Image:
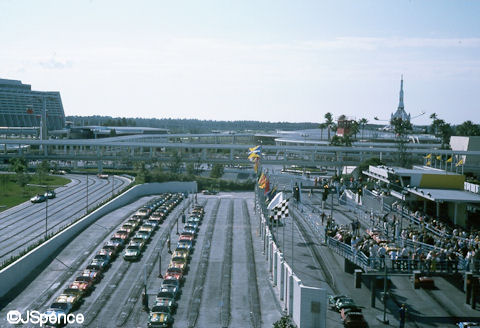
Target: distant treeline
<point>189,125</point>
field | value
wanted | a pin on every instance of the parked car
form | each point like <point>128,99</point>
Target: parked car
<point>426,282</point>
<point>354,319</point>
<point>345,302</point>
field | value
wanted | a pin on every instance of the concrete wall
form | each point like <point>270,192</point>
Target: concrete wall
<point>16,272</point>
<point>306,305</point>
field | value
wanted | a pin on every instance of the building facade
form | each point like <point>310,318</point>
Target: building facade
<point>20,106</point>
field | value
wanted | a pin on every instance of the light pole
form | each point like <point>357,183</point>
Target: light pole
<point>113,183</point>
<point>87,195</point>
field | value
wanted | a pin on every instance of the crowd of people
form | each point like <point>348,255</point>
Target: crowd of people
<point>448,248</point>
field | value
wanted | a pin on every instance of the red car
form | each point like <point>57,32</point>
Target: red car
<point>187,236</point>
<point>96,275</point>
<point>174,273</point>
<point>82,283</point>
<point>121,234</point>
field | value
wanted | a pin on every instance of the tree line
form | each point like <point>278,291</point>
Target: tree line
<point>190,125</point>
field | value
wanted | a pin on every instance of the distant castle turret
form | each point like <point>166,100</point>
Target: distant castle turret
<point>401,113</point>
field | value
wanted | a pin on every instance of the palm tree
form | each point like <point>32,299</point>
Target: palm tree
<point>354,129</point>
<point>363,122</point>
<point>434,125</point>
<point>329,122</point>
<point>322,126</point>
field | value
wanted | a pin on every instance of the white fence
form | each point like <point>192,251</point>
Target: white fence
<point>15,273</point>
<point>306,305</point>
<point>472,187</point>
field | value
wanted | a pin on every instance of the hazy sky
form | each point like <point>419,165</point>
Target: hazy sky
<point>247,60</point>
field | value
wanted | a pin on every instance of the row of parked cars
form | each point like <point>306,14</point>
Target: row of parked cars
<point>144,223</point>
<point>161,314</point>
<point>350,312</point>
<point>82,286</point>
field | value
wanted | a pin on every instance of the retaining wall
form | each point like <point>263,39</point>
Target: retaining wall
<point>18,271</point>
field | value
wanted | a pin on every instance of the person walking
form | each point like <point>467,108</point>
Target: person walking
<point>403,313</point>
<point>323,217</point>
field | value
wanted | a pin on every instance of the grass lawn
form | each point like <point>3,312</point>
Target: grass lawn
<point>11,194</point>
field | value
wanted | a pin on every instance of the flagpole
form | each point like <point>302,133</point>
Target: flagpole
<point>292,239</point>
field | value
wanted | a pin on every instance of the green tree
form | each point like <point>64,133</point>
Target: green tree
<point>441,129</point>
<point>329,122</point>
<point>433,126</point>
<point>375,161</point>
<point>18,165</point>
<point>284,322</point>
<point>341,141</point>
<point>42,171</point>
<point>175,163</point>
<point>354,129</point>
<point>468,129</point>
<point>190,169</point>
<point>401,129</point>
<point>321,127</point>
<point>446,132</point>
<point>143,175</point>
<point>363,122</point>
<point>217,171</point>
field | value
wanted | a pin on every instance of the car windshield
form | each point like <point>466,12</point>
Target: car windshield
<point>165,295</point>
<point>71,291</point>
<point>355,316</point>
<point>133,248</point>
<point>61,306</point>
<point>175,270</point>
<point>137,240</point>
<point>116,240</point>
<point>83,279</point>
<point>171,282</point>
<point>178,259</point>
<point>164,309</point>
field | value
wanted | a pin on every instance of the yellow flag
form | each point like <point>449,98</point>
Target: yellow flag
<point>449,160</point>
<point>428,156</point>
<point>439,157</point>
<point>252,156</point>
<point>429,163</point>
<point>460,162</point>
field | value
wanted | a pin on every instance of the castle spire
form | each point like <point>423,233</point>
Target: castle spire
<point>400,103</point>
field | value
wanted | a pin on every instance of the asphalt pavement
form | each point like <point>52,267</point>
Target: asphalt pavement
<point>25,224</point>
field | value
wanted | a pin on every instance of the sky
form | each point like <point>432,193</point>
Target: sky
<point>267,60</point>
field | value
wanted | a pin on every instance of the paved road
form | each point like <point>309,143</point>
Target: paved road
<point>23,225</point>
<point>116,301</point>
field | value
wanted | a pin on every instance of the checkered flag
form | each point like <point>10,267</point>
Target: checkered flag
<point>280,211</point>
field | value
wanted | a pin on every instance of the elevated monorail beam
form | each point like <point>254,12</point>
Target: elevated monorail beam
<point>96,143</point>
